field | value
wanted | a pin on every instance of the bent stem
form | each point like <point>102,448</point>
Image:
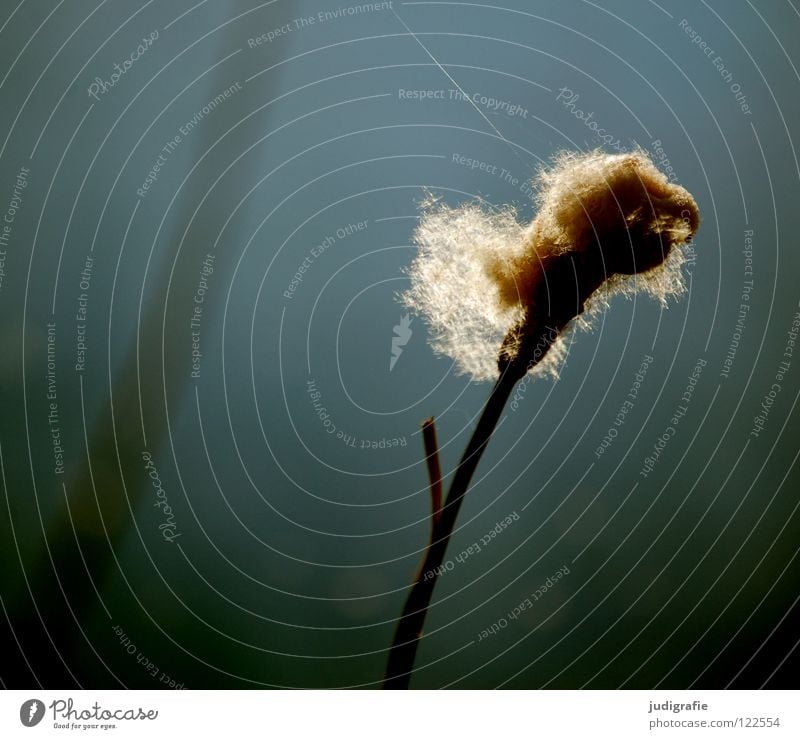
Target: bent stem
<point>434,468</point>
<point>409,628</point>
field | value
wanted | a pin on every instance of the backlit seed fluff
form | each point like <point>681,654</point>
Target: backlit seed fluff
<point>490,288</point>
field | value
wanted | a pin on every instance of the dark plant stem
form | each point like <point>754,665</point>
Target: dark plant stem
<point>409,628</point>
<point>434,469</point>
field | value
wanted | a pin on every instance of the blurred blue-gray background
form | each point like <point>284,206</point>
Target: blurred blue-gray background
<point>213,475</point>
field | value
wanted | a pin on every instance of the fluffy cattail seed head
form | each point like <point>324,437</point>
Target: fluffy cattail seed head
<point>498,294</point>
